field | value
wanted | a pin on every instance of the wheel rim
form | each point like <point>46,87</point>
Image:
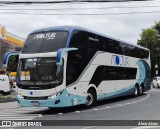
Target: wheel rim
<point>136,91</point>
<point>140,90</point>
<point>89,99</point>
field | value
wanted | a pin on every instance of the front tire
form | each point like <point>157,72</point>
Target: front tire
<point>157,85</point>
<point>90,99</point>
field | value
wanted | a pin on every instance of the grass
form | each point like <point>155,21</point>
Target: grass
<point>5,97</point>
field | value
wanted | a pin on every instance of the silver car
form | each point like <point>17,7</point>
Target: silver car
<point>156,82</point>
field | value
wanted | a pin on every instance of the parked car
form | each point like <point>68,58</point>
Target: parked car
<point>156,82</point>
<point>4,84</point>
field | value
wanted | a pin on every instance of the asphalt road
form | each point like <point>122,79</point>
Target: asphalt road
<point>145,107</point>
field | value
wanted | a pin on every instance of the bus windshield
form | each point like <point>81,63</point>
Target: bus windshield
<point>40,70</point>
<point>45,42</point>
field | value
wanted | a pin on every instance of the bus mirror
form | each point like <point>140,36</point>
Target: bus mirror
<point>60,53</point>
<point>10,59</point>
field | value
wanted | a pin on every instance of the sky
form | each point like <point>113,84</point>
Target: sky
<point>126,27</point>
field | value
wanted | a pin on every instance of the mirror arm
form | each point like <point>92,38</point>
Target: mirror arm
<point>60,54</point>
<point>7,56</point>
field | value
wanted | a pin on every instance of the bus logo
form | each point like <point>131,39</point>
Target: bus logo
<point>31,93</point>
<point>119,60</point>
<point>34,93</point>
<point>45,36</point>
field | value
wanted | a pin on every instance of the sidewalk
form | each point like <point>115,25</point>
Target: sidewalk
<point>10,102</point>
<point>9,105</point>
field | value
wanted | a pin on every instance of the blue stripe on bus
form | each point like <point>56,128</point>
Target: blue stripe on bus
<point>144,74</point>
<point>66,101</point>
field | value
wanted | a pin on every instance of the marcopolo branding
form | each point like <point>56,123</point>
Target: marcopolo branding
<point>34,92</point>
<point>45,36</point>
<point>119,60</point>
<point>93,39</point>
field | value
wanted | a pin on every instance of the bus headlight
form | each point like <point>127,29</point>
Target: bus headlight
<point>56,94</point>
<point>20,96</point>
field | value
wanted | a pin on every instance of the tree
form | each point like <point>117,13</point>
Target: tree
<point>157,27</point>
<point>150,38</point>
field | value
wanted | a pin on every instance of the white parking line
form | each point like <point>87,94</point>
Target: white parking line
<point>146,127</point>
<point>18,114</point>
<point>108,107</point>
<point>89,127</point>
<point>120,105</point>
<point>77,111</point>
<point>60,113</point>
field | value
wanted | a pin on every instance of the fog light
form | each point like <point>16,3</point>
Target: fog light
<point>57,101</point>
<point>20,96</point>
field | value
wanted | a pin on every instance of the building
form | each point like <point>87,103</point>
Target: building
<point>8,42</point>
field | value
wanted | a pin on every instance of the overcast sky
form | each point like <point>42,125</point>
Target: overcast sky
<point>125,27</point>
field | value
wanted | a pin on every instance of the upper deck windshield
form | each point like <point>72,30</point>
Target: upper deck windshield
<point>45,42</point>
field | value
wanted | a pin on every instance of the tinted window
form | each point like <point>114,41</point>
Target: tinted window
<point>79,39</point>
<point>45,42</point>
<point>76,61</point>
<point>74,70</point>
<point>95,42</point>
<point>144,53</point>
<point>134,51</point>
<point>103,73</point>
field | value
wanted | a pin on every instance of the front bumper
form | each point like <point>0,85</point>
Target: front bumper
<point>64,100</point>
<point>42,103</point>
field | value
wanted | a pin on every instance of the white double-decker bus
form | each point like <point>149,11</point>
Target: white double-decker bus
<point>66,66</point>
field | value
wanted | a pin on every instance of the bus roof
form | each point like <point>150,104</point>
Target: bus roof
<point>72,28</point>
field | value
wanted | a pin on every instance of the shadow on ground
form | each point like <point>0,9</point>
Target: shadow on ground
<point>53,111</point>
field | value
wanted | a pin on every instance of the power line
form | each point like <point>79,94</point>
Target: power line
<point>65,1</point>
<point>84,8</point>
<point>147,12</point>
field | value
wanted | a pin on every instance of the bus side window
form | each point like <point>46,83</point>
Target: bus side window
<point>113,46</point>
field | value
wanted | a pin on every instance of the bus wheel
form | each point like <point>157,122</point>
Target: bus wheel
<point>90,99</point>
<point>136,91</point>
<point>140,91</point>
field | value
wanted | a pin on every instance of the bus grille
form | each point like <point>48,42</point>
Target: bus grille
<point>36,98</point>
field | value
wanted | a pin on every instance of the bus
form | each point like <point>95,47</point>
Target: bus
<point>68,65</point>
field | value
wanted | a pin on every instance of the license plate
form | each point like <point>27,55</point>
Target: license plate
<point>35,103</point>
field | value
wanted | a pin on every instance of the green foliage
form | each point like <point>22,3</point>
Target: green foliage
<point>150,38</point>
<point>12,64</point>
<point>5,97</point>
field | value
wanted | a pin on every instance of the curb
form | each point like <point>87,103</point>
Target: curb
<point>8,100</point>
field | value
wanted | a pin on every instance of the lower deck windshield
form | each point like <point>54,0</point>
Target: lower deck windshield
<point>39,71</point>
